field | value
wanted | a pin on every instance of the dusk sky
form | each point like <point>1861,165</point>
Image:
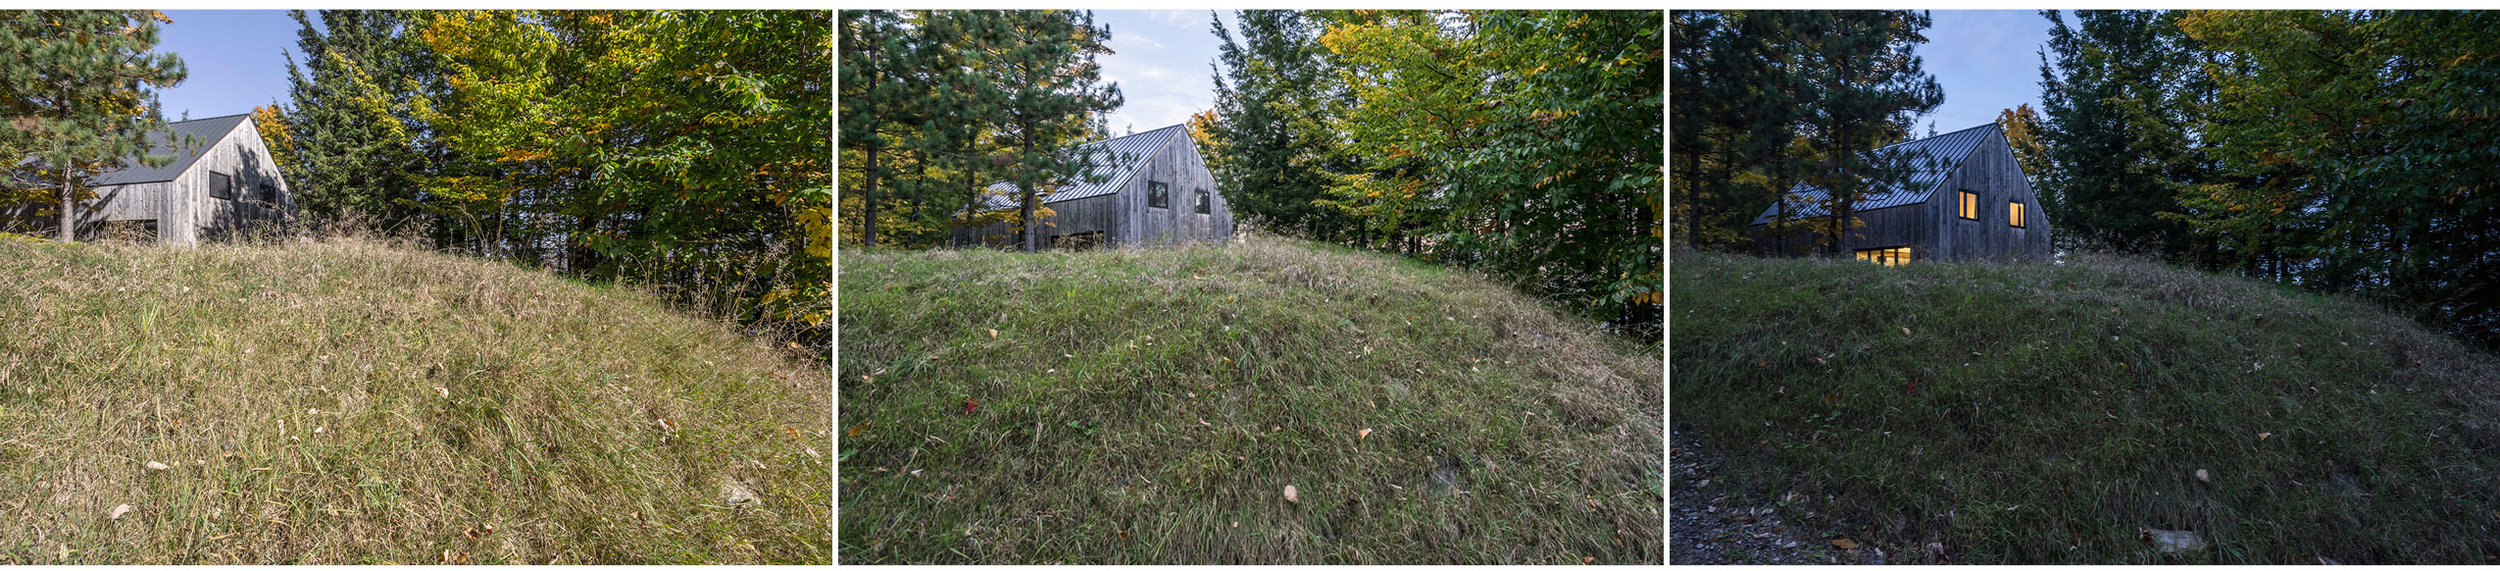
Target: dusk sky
<point>1987,60</point>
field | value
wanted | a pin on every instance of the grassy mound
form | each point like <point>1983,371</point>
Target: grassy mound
<point>2056,413</point>
<point>351,403</point>
<point>1152,406</point>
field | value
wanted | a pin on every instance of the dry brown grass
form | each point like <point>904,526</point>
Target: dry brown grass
<point>344,401</point>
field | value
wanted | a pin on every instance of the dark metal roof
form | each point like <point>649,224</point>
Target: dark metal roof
<point>204,134</point>
<point>1115,162</point>
<point>1944,155</point>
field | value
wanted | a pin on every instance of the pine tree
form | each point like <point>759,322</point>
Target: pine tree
<point>1870,85</point>
<point>79,81</point>
<point>877,99</point>
<point>358,103</point>
<point>1045,86</point>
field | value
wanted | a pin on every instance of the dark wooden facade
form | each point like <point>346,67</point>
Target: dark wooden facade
<point>1122,215</point>
<point>1932,226</point>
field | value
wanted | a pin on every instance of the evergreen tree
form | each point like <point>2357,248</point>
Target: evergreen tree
<point>1269,97</point>
<point>359,104</point>
<point>1044,87</point>
<point>877,100</point>
<point>1870,86</point>
<point>79,83</point>
<point>2118,95</point>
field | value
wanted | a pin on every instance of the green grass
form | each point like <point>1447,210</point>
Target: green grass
<point>345,402</point>
<point>2060,409</point>
<point>1150,406</point>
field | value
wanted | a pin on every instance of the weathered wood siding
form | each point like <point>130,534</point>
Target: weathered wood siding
<point>183,208</point>
<point>1880,228</point>
<point>1124,217</point>
<point>1935,230</point>
<point>1179,166</point>
<point>1991,172</point>
<point>1090,214</point>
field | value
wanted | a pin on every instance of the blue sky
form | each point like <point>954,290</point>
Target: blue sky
<point>1987,61</point>
<point>1160,61</point>
<point>234,60</point>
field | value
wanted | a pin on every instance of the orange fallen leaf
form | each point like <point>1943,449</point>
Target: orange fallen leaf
<point>1362,434</point>
<point>1844,543</point>
<point>993,333</point>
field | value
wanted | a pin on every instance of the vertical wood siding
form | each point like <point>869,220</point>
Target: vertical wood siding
<point>1124,217</point>
<point>1935,230</point>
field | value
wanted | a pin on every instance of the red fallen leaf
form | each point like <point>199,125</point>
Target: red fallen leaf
<point>1911,386</point>
<point>971,405</point>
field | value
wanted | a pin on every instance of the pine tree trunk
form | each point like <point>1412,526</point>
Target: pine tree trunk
<point>868,236</point>
<point>69,209</point>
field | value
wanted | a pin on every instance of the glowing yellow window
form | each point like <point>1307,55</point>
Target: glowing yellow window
<point>1970,205</point>
<point>2015,216</point>
<point>1886,256</point>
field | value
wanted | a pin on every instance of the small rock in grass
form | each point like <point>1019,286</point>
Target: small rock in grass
<point>1291,495</point>
<point>735,493</point>
<point>2169,541</point>
<point>2202,477</point>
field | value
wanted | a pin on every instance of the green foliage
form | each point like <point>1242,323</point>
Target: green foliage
<point>2121,96</point>
<point>941,104</point>
<point>359,109</point>
<point>1269,139</point>
<point>1524,143</point>
<point>77,93</point>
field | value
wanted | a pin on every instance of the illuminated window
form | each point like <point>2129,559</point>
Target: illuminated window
<point>1886,256</point>
<point>2015,214</point>
<point>1970,205</point>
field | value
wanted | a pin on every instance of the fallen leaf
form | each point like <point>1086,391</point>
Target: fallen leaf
<point>2262,436</point>
<point>1844,543</point>
<point>1584,560</point>
<point>1905,331</point>
<point>1359,435</point>
<point>1291,495</point>
<point>2201,477</point>
<point>445,393</point>
<point>155,465</point>
<point>993,333</point>
<point>119,511</point>
<point>856,429</point>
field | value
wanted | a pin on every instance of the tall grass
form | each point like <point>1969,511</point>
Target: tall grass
<point>345,401</point>
<point>2054,413</point>
<point>1151,406</point>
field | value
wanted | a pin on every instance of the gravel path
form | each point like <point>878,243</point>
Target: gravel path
<point>1711,525</point>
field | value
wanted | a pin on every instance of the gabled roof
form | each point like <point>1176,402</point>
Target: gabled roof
<point>205,134</point>
<point>1945,154</point>
<point>1116,161</point>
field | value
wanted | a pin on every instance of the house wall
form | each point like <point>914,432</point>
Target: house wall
<point>1992,172</point>
<point>184,210</point>
<point>1935,230</point>
<point>1882,228</point>
<point>1089,214</point>
<point>1180,167</point>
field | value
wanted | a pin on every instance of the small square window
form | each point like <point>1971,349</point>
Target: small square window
<point>1158,195</point>
<point>2014,213</point>
<point>1202,201</point>
<point>220,185</point>
<point>1970,205</point>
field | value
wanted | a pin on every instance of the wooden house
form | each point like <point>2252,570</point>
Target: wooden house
<point>1146,189</point>
<point>221,180</point>
<point>1967,200</point>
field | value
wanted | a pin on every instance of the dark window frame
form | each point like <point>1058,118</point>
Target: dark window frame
<point>1968,208</point>
<point>1203,201</point>
<point>220,185</point>
<point>1158,194</point>
<point>2014,214</point>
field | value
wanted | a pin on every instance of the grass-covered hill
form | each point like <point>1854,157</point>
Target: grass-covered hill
<point>2040,413</point>
<point>347,402</point>
<point>1154,406</point>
